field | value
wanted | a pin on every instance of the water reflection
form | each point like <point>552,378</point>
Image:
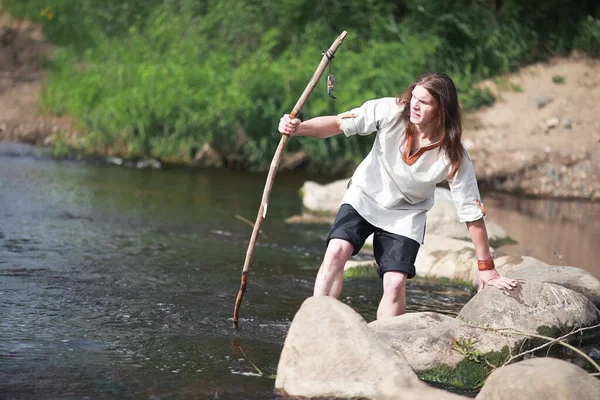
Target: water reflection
<point>554,231</point>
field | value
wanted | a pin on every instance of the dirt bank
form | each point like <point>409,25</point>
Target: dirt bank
<point>541,137</point>
<point>22,52</point>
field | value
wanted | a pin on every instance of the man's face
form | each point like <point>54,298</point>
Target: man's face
<point>423,107</point>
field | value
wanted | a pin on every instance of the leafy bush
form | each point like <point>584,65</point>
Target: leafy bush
<point>161,78</point>
<point>588,38</point>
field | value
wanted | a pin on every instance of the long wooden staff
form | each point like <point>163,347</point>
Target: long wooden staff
<point>262,211</point>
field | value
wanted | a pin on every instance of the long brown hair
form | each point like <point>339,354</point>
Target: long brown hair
<point>449,123</point>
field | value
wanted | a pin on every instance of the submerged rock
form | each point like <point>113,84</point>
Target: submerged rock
<point>150,163</point>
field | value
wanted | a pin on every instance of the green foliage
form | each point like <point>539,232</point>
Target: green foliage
<point>588,38</point>
<point>505,84</point>
<point>474,37</point>
<point>499,242</point>
<point>60,147</point>
<point>448,281</point>
<point>81,24</point>
<point>466,347</point>
<point>558,79</point>
<point>161,78</point>
<point>362,272</point>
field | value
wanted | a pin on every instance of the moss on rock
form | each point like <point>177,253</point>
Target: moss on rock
<point>362,272</point>
<point>449,281</point>
<point>499,242</point>
<point>468,374</point>
<point>494,242</point>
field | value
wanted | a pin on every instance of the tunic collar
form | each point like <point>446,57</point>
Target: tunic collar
<point>411,159</point>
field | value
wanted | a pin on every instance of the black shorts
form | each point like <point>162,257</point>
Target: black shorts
<point>392,252</point>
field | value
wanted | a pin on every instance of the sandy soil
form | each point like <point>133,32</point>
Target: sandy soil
<point>553,149</point>
<point>517,145</point>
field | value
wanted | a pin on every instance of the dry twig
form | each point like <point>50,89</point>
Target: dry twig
<point>260,231</point>
<point>258,370</point>
<point>551,340</point>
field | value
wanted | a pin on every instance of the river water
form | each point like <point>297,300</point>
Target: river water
<point>120,283</point>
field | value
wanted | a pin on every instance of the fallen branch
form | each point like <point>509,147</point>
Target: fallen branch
<point>560,341</point>
<point>251,225</point>
<point>258,370</point>
<point>551,341</point>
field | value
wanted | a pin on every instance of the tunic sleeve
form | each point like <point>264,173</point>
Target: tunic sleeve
<point>465,192</point>
<point>367,118</point>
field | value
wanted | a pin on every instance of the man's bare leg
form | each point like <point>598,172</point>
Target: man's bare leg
<point>331,274</point>
<point>393,301</point>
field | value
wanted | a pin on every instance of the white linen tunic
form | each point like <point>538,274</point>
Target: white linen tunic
<point>387,191</point>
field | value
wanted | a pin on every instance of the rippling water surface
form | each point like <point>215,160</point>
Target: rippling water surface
<point>120,283</point>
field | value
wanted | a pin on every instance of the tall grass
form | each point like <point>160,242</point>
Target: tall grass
<point>161,78</point>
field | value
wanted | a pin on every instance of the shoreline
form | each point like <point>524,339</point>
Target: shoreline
<point>540,139</point>
<point>513,185</point>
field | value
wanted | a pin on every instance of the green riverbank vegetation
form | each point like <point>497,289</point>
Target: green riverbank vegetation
<point>164,78</point>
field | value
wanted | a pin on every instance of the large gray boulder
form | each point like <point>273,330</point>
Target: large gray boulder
<point>530,306</point>
<point>540,379</point>
<point>426,339</point>
<point>331,352</point>
<point>576,279</point>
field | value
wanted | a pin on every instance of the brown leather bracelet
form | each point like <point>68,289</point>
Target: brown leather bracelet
<point>486,265</point>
